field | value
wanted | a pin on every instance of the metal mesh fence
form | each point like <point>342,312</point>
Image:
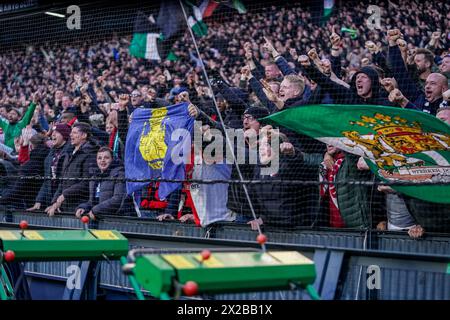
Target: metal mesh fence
<point>307,114</point>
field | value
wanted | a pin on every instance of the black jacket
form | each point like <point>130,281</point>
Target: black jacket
<point>50,186</point>
<point>343,95</point>
<point>284,205</point>
<point>76,165</point>
<point>24,191</point>
<point>112,197</point>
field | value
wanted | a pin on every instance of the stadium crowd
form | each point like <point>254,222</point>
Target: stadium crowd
<point>65,112</point>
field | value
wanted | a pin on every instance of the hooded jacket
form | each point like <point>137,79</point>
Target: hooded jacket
<point>343,95</point>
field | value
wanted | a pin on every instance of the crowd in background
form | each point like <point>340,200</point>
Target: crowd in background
<point>65,112</point>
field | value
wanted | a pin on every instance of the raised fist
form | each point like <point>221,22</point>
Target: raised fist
<point>193,111</point>
<point>287,148</point>
<point>371,46</point>
<point>245,71</point>
<point>396,96</point>
<point>312,54</point>
<point>389,84</point>
<point>123,100</point>
<point>36,97</point>
<point>335,41</point>
<point>393,35</point>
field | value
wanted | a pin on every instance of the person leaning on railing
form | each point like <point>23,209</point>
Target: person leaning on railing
<point>72,191</point>
<point>108,196</point>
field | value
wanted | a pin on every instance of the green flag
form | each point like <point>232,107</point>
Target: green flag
<point>328,6</point>
<point>195,20</point>
<point>399,145</point>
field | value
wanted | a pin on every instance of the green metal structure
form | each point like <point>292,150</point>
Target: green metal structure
<point>63,245</point>
<point>165,275</point>
<point>57,245</point>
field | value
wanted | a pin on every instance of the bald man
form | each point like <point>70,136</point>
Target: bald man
<point>435,86</point>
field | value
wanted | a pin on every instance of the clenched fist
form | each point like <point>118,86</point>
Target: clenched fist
<point>312,54</point>
<point>371,46</point>
<point>393,35</point>
<point>335,41</point>
<point>397,97</point>
<point>193,111</point>
<point>389,84</point>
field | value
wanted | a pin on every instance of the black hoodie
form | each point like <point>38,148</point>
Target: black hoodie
<point>343,95</point>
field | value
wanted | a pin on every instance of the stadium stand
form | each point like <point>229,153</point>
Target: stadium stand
<point>66,95</point>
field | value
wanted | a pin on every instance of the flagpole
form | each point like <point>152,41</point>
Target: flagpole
<point>230,146</point>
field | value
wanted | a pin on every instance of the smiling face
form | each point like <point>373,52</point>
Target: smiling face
<point>363,85</point>
<point>445,65</point>
<point>104,160</point>
<point>57,139</point>
<point>77,138</point>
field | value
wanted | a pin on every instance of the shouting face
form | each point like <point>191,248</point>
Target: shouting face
<point>363,85</point>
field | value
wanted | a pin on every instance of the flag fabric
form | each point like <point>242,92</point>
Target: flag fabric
<point>239,6</point>
<point>171,20</point>
<point>144,45</point>
<point>328,6</point>
<point>399,145</point>
<point>153,38</point>
<point>207,8</point>
<point>235,4</point>
<point>210,200</point>
<point>151,151</point>
<point>195,22</point>
<point>145,38</point>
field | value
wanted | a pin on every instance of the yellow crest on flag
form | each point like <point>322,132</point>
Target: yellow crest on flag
<point>151,145</point>
<point>394,138</point>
